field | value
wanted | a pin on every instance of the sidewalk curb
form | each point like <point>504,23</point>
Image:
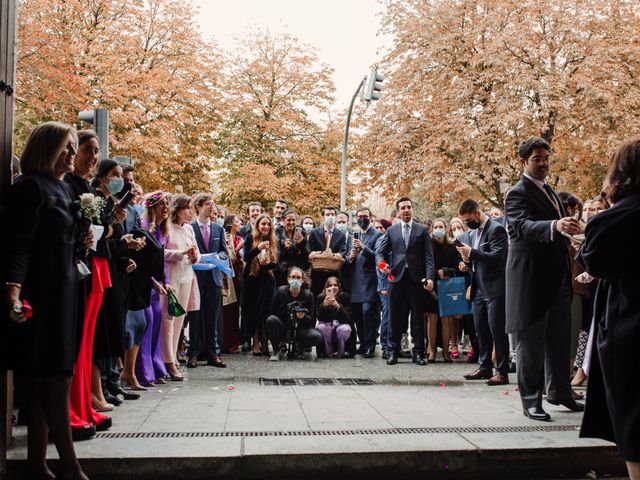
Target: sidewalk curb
<point>573,462</point>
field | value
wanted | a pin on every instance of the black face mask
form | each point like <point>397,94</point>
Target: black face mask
<point>473,224</point>
<point>364,223</point>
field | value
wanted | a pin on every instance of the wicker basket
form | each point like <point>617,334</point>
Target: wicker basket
<point>327,262</point>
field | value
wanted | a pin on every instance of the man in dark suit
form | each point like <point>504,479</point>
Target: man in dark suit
<point>365,310</point>
<point>486,257</point>
<point>538,283</point>
<point>319,238</point>
<point>204,324</point>
<point>407,248</point>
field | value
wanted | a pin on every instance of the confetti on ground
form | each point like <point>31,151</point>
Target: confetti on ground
<point>174,389</point>
<point>517,389</point>
<point>159,391</point>
<point>231,388</point>
<point>506,392</point>
<point>442,385</point>
<point>215,388</point>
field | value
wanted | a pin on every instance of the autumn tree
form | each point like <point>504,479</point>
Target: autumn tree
<point>144,60</point>
<point>278,140</point>
<point>467,80</point>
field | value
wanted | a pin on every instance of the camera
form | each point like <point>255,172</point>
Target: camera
<point>295,307</point>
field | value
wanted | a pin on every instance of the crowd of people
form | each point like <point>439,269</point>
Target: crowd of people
<point>111,291</point>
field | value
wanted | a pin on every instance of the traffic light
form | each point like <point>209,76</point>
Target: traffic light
<point>374,85</point>
<point>99,118</point>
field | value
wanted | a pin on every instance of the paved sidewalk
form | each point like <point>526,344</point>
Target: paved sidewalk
<point>230,420</point>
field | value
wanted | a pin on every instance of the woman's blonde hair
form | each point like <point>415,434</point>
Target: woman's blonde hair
<point>257,238</point>
<point>44,145</point>
<point>149,214</point>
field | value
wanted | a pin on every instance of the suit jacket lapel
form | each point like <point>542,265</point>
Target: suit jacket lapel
<point>540,195</point>
<point>199,239</point>
<point>412,233</point>
<point>210,246</point>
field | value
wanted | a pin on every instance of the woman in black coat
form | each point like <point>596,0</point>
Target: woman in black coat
<point>39,258</point>
<point>613,400</point>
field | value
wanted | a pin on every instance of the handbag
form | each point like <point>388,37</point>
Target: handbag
<point>173,306</point>
<point>452,297</point>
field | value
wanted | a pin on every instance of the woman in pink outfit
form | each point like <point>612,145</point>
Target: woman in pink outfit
<point>180,253</point>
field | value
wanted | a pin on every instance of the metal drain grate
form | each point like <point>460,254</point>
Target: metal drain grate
<point>302,382</point>
<point>316,433</point>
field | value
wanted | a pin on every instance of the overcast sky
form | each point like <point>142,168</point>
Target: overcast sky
<point>344,31</point>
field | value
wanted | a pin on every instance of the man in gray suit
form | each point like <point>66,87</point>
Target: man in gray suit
<point>538,283</point>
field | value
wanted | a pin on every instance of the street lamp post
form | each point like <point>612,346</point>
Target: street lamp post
<point>371,93</point>
<point>343,176</point>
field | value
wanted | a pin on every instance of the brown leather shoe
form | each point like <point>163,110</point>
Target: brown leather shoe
<point>216,362</point>
<point>478,375</point>
<point>498,379</point>
<point>192,362</point>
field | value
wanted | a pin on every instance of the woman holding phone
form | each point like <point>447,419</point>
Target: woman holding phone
<point>259,284</point>
<point>334,320</point>
<point>292,247</point>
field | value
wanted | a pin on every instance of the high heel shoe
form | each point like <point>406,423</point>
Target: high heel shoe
<point>176,377</point>
<point>447,358</point>
<point>431,358</point>
<point>455,354</point>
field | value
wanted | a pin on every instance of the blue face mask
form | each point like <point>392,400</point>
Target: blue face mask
<point>342,227</point>
<point>330,221</point>
<point>220,221</point>
<point>438,233</point>
<point>115,185</point>
<point>295,283</point>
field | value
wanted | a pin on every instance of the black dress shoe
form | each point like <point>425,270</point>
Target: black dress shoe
<point>418,359</point>
<point>246,347</point>
<point>478,375</point>
<point>512,367</point>
<point>392,358</point>
<point>130,396</point>
<point>384,355</point>
<point>536,413</point>
<point>570,404</point>
<point>369,353</point>
<point>112,399</point>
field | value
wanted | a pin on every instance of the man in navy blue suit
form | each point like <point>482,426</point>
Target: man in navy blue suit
<point>407,248</point>
<point>364,283</point>
<point>486,257</point>
<point>204,324</point>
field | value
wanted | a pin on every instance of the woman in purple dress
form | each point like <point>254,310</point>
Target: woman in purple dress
<point>150,369</point>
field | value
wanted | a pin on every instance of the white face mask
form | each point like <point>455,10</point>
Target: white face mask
<point>342,227</point>
<point>307,228</point>
<point>458,233</point>
<point>330,221</point>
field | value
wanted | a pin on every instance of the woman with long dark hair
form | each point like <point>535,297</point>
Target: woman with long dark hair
<point>259,284</point>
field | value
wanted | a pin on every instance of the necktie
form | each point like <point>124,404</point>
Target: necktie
<point>405,235</point>
<point>552,197</point>
<point>205,235</point>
